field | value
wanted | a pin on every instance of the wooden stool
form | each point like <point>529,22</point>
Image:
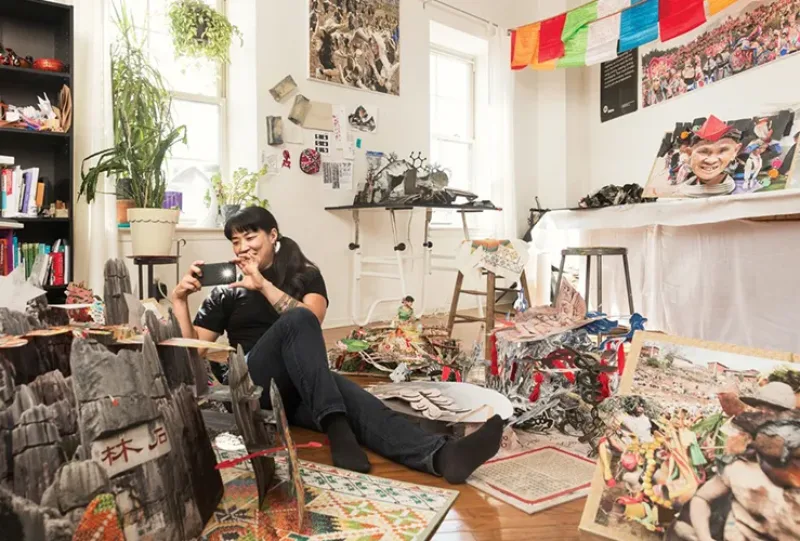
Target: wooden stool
<point>597,252</point>
<point>489,319</point>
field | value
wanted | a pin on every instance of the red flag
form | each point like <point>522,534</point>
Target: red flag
<point>550,45</point>
<point>676,17</point>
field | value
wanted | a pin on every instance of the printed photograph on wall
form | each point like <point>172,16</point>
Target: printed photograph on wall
<point>356,43</point>
<point>743,36</point>
<point>702,443</point>
<point>710,157</point>
<point>364,118</point>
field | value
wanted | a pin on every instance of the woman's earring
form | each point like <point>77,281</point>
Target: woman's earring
<point>277,246</point>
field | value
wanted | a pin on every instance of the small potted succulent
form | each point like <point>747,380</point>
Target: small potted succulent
<point>200,31</point>
<point>238,192</point>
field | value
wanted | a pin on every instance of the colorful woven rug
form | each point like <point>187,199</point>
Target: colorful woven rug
<point>537,479</point>
<point>340,505</point>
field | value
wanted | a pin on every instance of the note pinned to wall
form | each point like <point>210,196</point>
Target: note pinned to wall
<point>337,175</point>
<point>319,117</point>
<point>340,131</point>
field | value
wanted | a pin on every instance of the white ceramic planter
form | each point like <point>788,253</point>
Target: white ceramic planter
<point>152,230</point>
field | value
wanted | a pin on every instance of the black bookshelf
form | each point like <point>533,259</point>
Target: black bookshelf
<point>41,29</point>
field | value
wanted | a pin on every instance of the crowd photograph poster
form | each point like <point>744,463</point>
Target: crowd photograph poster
<point>746,35</point>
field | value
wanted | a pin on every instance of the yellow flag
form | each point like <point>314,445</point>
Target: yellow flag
<point>715,6</point>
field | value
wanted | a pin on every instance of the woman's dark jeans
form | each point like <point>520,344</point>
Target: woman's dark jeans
<point>292,352</point>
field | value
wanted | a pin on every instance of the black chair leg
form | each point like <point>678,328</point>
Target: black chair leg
<point>628,283</point>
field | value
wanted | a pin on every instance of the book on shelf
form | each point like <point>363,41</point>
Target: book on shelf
<point>23,193</point>
<point>6,160</point>
<point>45,264</point>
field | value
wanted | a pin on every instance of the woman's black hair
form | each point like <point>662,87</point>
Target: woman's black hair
<point>290,265</point>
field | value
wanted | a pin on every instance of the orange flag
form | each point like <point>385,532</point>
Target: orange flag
<point>524,46</point>
<point>715,6</point>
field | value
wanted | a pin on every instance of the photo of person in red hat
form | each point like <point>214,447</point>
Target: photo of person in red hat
<point>714,148</point>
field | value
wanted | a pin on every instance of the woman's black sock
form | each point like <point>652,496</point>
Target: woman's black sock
<point>345,450</point>
<point>458,459</point>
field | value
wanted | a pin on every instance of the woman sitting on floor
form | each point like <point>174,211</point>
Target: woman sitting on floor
<point>274,312</point>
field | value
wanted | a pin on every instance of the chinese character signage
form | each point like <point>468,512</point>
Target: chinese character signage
<point>131,448</point>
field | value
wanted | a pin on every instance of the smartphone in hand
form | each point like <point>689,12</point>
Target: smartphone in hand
<point>217,274</point>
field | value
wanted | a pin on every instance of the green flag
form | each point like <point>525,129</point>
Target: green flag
<point>576,34</point>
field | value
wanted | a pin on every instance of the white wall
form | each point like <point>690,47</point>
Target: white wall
<point>623,150</point>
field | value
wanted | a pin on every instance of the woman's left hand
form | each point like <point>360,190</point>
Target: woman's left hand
<point>252,278</point>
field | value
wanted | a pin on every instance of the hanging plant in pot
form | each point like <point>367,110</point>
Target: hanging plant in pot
<point>143,137</point>
<point>200,31</point>
<point>238,192</point>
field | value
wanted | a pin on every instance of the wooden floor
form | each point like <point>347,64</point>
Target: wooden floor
<point>475,516</point>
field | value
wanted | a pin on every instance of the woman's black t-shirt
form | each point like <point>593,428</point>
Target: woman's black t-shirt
<point>245,315</point>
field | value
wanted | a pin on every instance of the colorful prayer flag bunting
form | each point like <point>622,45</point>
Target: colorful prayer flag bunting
<point>578,18</point>
<point>524,43</point>
<point>715,6</point>
<point>596,32</point>
<point>575,49</point>
<point>639,25</point>
<point>602,40</point>
<point>550,45</point>
<point>575,35</point>
<point>525,47</point>
<point>610,7</point>
<point>676,17</point>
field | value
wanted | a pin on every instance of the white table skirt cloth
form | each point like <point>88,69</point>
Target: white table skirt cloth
<point>696,269</point>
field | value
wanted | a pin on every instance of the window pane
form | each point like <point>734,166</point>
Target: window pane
<point>188,75</point>
<point>452,119</point>
<point>456,159</point>
<point>193,180</point>
<point>454,78</point>
<point>202,121</point>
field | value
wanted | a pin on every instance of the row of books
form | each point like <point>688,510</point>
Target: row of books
<point>21,191</point>
<point>49,265</point>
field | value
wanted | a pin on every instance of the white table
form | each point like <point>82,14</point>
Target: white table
<point>699,268</point>
<point>428,256</point>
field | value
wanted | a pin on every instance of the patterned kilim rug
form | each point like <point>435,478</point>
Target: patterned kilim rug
<point>340,505</point>
<point>536,479</point>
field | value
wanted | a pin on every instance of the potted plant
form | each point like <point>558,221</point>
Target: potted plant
<point>143,136</point>
<point>240,191</point>
<point>198,30</point>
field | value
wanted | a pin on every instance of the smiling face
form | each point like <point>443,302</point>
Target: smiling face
<point>710,160</point>
<point>257,245</point>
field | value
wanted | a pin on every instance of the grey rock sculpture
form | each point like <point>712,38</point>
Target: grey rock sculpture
<point>245,397</point>
<point>23,520</point>
<point>75,485</point>
<point>181,365</point>
<point>51,387</point>
<point>111,390</point>
<point>206,481</point>
<point>117,283</point>
<point>37,453</point>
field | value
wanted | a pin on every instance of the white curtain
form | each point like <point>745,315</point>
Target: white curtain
<point>95,235</point>
<point>500,162</point>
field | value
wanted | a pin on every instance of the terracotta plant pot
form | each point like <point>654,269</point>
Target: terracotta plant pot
<point>122,210</point>
<point>152,230</point>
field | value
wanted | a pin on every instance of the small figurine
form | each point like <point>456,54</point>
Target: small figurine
<point>521,304</point>
<point>405,313</point>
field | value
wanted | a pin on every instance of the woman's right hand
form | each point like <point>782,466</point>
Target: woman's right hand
<point>189,283</point>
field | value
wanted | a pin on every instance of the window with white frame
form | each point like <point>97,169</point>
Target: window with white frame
<point>452,98</point>
<point>197,87</point>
